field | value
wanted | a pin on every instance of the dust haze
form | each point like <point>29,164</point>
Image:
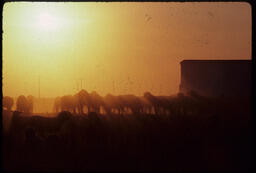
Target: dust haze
<point>127,86</point>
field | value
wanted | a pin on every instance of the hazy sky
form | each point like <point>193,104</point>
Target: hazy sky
<point>115,48</point>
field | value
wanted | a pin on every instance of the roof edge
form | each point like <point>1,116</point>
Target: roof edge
<point>215,60</point>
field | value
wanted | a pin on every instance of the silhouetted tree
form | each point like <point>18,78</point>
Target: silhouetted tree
<point>8,102</point>
<point>22,104</point>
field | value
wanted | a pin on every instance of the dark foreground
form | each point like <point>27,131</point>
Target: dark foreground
<point>217,139</point>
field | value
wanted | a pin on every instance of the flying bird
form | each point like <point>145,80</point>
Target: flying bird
<point>148,18</point>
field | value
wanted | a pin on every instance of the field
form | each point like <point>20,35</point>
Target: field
<point>216,138</point>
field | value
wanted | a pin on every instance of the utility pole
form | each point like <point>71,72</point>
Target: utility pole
<point>81,82</point>
<point>113,83</point>
<point>39,87</point>
<point>77,86</point>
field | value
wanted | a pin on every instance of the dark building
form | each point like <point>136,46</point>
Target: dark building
<point>215,78</point>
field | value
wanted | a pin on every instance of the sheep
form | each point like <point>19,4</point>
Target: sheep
<point>154,102</point>
<point>131,102</point>
<point>68,103</point>
<point>83,99</point>
<point>96,101</point>
<point>112,104</point>
<point>146,105</point>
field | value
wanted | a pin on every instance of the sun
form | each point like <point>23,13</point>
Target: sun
<point>47,21</point>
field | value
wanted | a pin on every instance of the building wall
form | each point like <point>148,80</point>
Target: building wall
<point>216,77</point>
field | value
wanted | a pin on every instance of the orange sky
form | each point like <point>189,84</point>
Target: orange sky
<point>115,48</point>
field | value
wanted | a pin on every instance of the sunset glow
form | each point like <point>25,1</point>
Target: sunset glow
<point>119,48</point>
<point>121,86</point>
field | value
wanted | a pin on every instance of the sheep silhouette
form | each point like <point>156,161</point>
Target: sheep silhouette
<point>68,103</point>
<point>79,107</point>
<point>165,105</point>
<point>171,104</point>
<point>96,102</point>
<point>154,102</point>
<point>162,104</point>
<point>8,102</point>
<point>84,100</point>
<point>146,105</point>
<point>131,102</point>
<point>182,103</point>
<point>128,104</point>
<point>112,104</point>
<point>108,104</point>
